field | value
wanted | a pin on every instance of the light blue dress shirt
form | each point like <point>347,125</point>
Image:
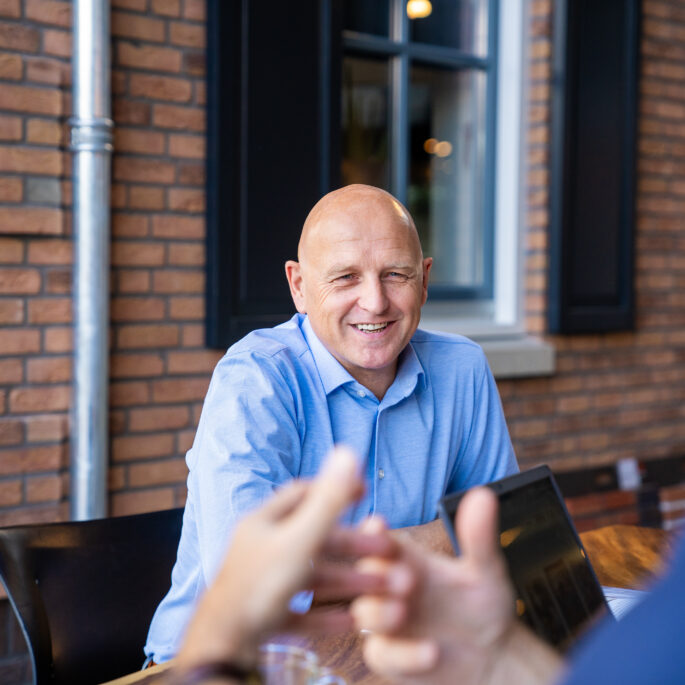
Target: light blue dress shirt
<point>278,402</point>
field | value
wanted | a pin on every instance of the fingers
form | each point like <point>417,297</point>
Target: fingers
<point>349,543</point>
<point>335,582</point>
<point>338,620</point>
<point>477,526</point>
<point>394,656</point>
<point>336,486</point>
<point>379,614</point>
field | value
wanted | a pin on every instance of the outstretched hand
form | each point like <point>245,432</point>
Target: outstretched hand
<point>456,624</point>
<point>270,559</point>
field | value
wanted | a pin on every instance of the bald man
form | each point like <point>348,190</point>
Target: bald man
<point>351,367</point>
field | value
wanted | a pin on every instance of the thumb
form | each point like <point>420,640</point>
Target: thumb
<point>477,526</point>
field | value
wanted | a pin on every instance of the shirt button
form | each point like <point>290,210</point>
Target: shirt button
<point>361,393</point>
<point>381,474</point>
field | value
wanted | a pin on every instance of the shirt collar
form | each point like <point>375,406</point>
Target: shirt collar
<point>333,374</point>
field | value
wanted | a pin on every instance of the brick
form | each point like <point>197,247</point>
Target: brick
<point>50,310</point>
<point>51,252</point>
<point>58,281</point>
<point>134,113</point>
<point>129,226</point>
<point>11,67</point>
<point>137,253</point>
<point>10,8</point>
<point>11,250</point>
<point>191,174</point>
<point>187,254</point>
<point>49,370</point>
<point>139,5</point>
<point>192,335</point>
<point>129,25</point>
<point>57,43</point>
<point>187,308</point>
<point>11,190</point>
<point>127,394</point>
<point>193,362</point>
<point>58,339</point>
<point>200,93</point>
<point>158,473</point>
<point>11,492</point>
<point>10,128</point>
<point>174,226</point>
<point>133,281</point>
<point>177,281</point>
<point>28,516</point>
<point>43,191</point>
<point>116,478</point>
<point>194,63</point>
<point>155,419</point>
<point>187,200</point>
<point>166,8</point>
<point>136,365</point>
<point>47,428</point>
<point>148,57</point>
<point>146,197</point>
<point>11,310</point>
<point>44,488</point>
<point>19,281</point>
<point>158,87</point>
<point>137,309</point>
<point>195,9</point>
<point>44,132</point>
<point>11,431</point>
<point>17,37</point>
<point>31,459</point>
<point>190,147</point>
<point>177,117</point>
<point>179,390</point>
<point>11,371</point>
<point>187,35</point>
<point>141,501</point>
<point>49,71</point>
<point>33,220</point>
<point>119,193</point>
<point>127,448</point>
<point>139,141</point>
<point>49,12</point>
<point>144,170</point>
<point>140,336</point>
<point>30,160</point>
<point>34,400</point>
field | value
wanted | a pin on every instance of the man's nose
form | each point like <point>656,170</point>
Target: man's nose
<point>372,297</point>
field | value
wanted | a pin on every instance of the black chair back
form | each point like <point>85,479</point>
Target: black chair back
<point>84,592</point>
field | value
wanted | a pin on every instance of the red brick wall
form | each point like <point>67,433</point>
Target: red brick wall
<point>612,396</point>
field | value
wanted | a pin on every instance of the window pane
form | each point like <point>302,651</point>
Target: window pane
<point>461,24</point>
<point>365,121</point>
<point>367,16</point>
<point>447,154</point>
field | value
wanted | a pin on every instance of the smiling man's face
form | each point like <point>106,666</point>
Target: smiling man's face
<point>362,281</point>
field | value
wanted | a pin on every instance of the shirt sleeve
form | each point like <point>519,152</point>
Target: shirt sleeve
<point>247,444</point>
<point>487,453</point>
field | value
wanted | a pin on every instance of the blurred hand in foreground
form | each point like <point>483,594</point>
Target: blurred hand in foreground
<point>270,558</point>
<point>455,623</point>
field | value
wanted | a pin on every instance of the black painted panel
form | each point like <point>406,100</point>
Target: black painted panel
<point>273,100</point>
<point>593,165</point>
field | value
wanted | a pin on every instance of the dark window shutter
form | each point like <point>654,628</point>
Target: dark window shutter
<point>273,91</point>
<point>592,157</point>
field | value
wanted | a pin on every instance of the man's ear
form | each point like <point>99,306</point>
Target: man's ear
<point>427,263</point>
<point>293,272</point>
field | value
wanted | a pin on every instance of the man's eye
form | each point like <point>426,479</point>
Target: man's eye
<point>345,277</point>
<point>397,275</point>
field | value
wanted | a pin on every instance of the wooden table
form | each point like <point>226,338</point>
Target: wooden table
<point>622,556</point>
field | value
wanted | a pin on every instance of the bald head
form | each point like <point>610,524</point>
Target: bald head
<point>354,204</point>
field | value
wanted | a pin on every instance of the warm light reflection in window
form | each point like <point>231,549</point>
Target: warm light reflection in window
<point>418,9</point>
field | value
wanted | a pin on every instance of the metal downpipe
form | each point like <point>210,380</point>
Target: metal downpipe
<point>91,147</point>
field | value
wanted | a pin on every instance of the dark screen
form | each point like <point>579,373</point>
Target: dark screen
<point>556,589</point>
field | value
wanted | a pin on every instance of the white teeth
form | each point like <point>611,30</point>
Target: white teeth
<point>371,326</point>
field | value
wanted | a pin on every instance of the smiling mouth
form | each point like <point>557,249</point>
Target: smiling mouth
<point>371,327</point>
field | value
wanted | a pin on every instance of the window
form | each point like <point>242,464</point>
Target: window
<point>306,96</point>
<point>418,103</point>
